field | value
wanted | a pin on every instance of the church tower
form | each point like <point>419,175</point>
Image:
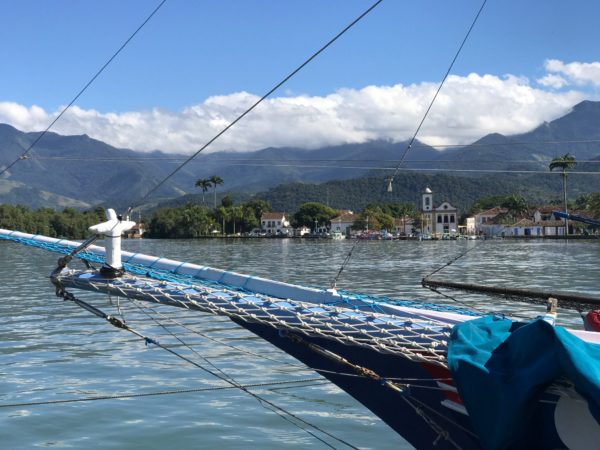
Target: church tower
<point>427,210</point>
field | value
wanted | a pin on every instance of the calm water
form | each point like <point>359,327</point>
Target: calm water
<point>51,350</point>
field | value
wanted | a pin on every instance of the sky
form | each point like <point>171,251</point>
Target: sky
<point>197,64</point>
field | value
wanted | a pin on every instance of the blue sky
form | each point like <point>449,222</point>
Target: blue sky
<point>198,63</point>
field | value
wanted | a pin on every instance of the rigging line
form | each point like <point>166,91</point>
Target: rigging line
<point>441,432</point>
<point>338,167</point>
<point>443,416</point>
<point>459,302</point>
<point>417,169</point>
<point>401,381</point>
<point>403,156</point>
<point>452,261</point>
<point>440,86</point>
<point>175,159</point>
<point>259,101</point>
<point>224,375</point>
<point>267,385</point>
<point>96,75</point>
<point>476,308</point>
<point>144,309</point>
<point>508,144</point>
<point>220,342</point>
<point>280,411</point>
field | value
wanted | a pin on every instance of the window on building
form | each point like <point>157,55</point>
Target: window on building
<point>451,218</point>
<point>439,219</point>
<point>445,218</point>
<point>426,201</point>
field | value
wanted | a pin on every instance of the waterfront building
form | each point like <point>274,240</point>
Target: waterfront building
<point>484,223</point>
<point>343,223</point>
<point>438,220</point>
<point>497,222</point>
<point>275,223</point>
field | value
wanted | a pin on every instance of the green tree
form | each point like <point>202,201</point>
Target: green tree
<point>69,223</point>
<point>312,213</point>
<point>205,185</point>
<point>189,221</point>
<point>583,201</point>
<point>236,214</point>
<point>227,201</point>
<point>252,212</point>
<point>373,218</point>
<point>486,203</point>
<point>516,204</point>
<point>564,163</point>
<point>222,215</point>
<point>215,180</point>
<point>258,206</point>
<point>594,204</point>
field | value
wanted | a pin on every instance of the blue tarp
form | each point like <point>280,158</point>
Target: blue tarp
<point>500,366</point>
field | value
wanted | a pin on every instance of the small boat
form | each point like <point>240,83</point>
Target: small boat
<point>337,235</point>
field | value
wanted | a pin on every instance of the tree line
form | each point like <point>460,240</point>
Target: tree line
<point>68,223</point>
<point>193,221</point>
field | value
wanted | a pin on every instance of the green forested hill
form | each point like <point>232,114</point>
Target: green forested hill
<point>461,192</point>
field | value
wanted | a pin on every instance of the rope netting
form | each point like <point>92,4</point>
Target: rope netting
<point>408,335</point>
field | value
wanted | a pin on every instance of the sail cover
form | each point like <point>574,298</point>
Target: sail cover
<point>500,367</point>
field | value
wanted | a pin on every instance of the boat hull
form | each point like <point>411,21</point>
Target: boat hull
<point>429,413</point>
<point>440,427</point>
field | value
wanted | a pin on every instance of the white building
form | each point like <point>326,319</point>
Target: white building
<point>483,223</point>
<point>493,222</point>
<point>343,223</point>
<point>275,223</point>
<point>437,220</point>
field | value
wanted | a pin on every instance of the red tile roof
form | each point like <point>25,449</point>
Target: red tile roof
<point>273,216</point>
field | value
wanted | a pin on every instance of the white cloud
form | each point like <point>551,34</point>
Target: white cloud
<point>467,108</point>
<point>553,81</point>
<point>576,72</point>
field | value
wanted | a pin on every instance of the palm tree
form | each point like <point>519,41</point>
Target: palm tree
<point>223,214</point>
<point>203,184</point>
<point>236,213</point>
<point>564,163</point>
<point>215,180</point>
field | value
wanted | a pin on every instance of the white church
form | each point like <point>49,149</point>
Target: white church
<point>438,220</point>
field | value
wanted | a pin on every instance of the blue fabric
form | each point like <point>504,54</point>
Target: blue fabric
<point>500,366</point>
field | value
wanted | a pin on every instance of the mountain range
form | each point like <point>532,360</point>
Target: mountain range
<point>80,172</point>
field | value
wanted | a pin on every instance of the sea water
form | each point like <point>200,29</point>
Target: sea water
<point>70,380</point>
